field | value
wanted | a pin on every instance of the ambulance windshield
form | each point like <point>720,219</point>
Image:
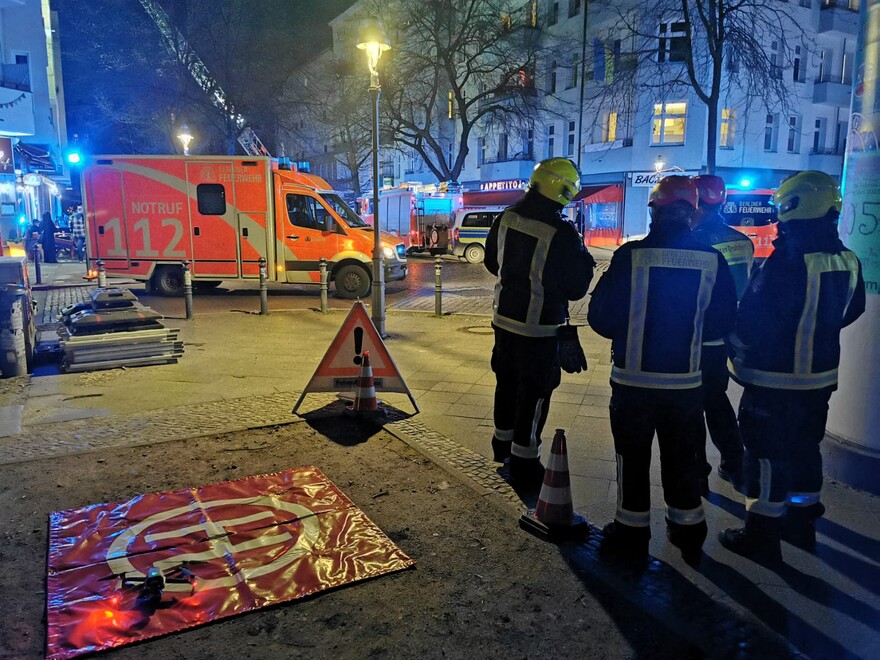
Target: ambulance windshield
<point>351,218</point>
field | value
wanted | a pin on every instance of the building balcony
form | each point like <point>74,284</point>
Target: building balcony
<point>519,166</point>
<point>839,18</point>
<point>15,76</point>
<point>16,112</point>
<point>831,91</point>
<point>825,160</point>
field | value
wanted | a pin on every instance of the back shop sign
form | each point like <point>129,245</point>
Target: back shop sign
<point>650,179</point>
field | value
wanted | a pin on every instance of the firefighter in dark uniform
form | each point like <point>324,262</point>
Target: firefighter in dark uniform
<point>785,353</point>
<point>540,263</point>
<point>739,252</point>
<point>661,297</point>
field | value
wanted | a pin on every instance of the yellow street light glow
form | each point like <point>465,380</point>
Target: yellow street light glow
<point>374,42</point>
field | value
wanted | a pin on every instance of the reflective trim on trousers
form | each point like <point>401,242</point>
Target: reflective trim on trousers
<point>714,342</point>
<point>685,516</point>
<point>633,518</point>
<point>765,508</point>
<point>504,435</point>
<point>534,448</point>
<point>802,499</point>
<point>783,381</point>
<point>762,504</point>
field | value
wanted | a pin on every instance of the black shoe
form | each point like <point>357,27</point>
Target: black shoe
<point>799,526</point>
<point>760,548</point>
<point>704,488</point>
<point>731,476</point>
<point>689,539</point>
<point>500,450</point>
<point>526,474</point>
<point>623,542</point>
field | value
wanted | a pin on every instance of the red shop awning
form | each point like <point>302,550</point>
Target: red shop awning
<point>602,194</point>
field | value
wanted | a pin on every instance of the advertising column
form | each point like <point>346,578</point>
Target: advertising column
<point>854,418</point>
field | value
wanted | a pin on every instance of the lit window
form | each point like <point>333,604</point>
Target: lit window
<point>505,22</point>
<point>669,123</point>
<point>609,127</point>
<point>672,42</point>
<point>728,128</point>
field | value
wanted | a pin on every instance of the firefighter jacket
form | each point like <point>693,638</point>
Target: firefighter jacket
<point>736,247</point>
<point>540,262</point>
<point>788,328</point>
<point>660,298</point>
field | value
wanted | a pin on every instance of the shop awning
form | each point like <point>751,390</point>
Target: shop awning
<point>37,156</point>
<point>601,194</point>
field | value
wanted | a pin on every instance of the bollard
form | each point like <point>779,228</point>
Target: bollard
<point>38,272</point>
<point>13,353</point>
<point>187,289</point>
<point>264,288</point>
<point>102,275</point>
<point>322,267</point>
<point>438,287</point>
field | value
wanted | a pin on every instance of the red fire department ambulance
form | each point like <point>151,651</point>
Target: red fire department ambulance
<point>145,215</point>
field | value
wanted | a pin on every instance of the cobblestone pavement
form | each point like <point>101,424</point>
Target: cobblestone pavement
<point>57,299</point>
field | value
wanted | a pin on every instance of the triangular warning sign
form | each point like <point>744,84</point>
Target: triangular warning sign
<point>341,365</point>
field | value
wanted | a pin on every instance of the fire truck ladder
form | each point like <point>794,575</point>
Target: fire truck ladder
<point>179,47</point>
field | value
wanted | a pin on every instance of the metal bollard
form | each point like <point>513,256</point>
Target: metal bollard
<point>264,288</point>
<point>187,289</point>
<point>38,272</point>
<point>322,267</point>
<point>102,274</point>
<point>438,287</point>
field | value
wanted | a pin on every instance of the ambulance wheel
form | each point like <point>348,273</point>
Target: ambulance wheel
<point>168,281</point>
<point>474,254</point>
<point>352,282</point>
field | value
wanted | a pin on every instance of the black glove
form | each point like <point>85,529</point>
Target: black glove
<point>571,355</point>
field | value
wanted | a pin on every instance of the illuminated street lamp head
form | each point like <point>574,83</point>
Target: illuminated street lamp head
<point>374,42</point>
<point>185,138</point>
<point>659,164</point>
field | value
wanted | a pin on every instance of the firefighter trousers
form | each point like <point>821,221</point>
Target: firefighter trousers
<point>526,373</point>
<point>720,416</point>
<point>676,416</point>
<point>781,431</point>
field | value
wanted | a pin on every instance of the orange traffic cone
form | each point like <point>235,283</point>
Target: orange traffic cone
<point>365,390</point>
<point>554,518</point>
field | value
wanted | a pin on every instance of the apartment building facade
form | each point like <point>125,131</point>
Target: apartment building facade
<point>33,178</point>
<point>621,143</point>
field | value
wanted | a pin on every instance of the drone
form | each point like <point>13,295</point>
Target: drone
<point>151,587</point>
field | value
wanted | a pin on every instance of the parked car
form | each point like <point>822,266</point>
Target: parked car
<point>470,229</point>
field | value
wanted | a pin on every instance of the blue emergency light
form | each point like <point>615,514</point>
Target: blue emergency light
<point>745,182</point>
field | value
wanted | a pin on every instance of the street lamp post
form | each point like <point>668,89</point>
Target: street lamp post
<point>374,42</point>
<point>185,138</point>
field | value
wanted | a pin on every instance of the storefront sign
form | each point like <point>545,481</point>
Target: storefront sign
<point>31,179</point>
<point>510,184</point>
<point>650,179</point>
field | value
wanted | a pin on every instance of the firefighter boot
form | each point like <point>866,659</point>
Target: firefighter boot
<point>799,526</point>
<point>500,449</point>
<point>526,474</point>
<point>758,540</point>
<point>624,542</point>
<point>688,538</point>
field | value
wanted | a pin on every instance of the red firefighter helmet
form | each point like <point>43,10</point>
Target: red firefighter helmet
<point>673,189</point>
<point>711,188</point>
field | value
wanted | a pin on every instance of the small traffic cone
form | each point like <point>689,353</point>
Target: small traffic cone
<point>554,518</point>
<point>365,390</point>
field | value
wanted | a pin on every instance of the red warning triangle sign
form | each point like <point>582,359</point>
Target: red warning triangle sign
<point>341,365</point>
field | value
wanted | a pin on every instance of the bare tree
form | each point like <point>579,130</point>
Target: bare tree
<point>333,101</point>
<point>454,65</point>
<point>715,48</point>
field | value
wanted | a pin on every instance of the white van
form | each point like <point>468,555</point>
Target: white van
<point>470,229</point>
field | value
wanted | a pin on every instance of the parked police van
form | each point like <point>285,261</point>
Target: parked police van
<point>470,229</point>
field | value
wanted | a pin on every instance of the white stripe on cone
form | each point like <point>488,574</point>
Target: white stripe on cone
<point>365,392</point>
<point>554,503</point>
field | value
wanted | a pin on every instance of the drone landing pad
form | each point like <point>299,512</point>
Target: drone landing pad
<point>221,550</point>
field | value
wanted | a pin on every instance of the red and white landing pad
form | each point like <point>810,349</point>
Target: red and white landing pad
<point>214,551</point>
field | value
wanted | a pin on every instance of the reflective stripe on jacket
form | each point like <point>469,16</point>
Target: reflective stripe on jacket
<point>541,264</point>
<point>658,300</point>
<point>788,330</point>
